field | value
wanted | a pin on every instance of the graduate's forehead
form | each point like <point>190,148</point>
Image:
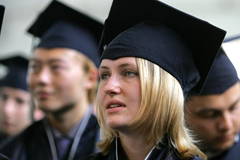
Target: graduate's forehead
<point>62,55</point>
<point>119,63</point>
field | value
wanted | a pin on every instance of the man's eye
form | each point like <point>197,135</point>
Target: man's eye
<point>233,108</point>
<point>34,67</point>
<point>19,101</point>
<point>3,97</point>
<point>209,114</point>
<point>55,67</point>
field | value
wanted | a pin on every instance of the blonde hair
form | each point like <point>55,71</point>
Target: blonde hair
<point>87,65</point>
<point>161,111</point>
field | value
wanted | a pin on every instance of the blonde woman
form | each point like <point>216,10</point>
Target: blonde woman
<point>142,113</point>
<point>149,64</point>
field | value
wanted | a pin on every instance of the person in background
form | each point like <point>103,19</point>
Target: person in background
<point>214,114</point>
<point>16,111</point>
<point>149,63</point>
<point>2,9</point>
<point>62,79</point>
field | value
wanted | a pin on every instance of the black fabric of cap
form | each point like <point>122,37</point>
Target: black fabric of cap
<point>60,26</point>
<point>181,44</point>
<point>222,76</point>
<point>233,38</point>
<point>2,9</point>
<point>17,72</point>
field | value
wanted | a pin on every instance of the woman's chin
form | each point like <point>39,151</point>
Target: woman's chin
<point>117,126</point>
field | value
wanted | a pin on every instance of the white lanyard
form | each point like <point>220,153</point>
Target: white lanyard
<point>76,140</point>
<point>146,158</point>
<point>116,143</point>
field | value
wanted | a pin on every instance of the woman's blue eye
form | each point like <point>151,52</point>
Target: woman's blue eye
<point>104,76</point>
<point>129,74</point>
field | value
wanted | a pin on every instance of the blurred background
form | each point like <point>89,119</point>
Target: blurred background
<point>20,14</point>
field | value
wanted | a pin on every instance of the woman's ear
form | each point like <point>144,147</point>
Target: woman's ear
<point>92,78</point>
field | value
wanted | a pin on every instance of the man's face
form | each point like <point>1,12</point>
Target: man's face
<point>215,118</point>
<point>15,110</point>
<point>56,79</point>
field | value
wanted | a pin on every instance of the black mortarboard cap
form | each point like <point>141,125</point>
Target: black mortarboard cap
<point>17,72</point>
<point>222,76</point>
<point>61,26</point>
<point>178,42</point>
<point>2,9</point>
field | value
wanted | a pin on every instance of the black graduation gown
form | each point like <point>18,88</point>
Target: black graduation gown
<point>33,143</point>
<point>3,139</point>
<point>231,154</point>
<point>165,153</point>
<point>2,157</point>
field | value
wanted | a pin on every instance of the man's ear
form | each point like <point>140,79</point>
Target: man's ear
<point>92,78</point>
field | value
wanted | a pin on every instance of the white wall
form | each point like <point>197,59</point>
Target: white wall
<point>232,48</point>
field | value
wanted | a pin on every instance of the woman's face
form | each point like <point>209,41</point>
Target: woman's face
<point>119,93</point>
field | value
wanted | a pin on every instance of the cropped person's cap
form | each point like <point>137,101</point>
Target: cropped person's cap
<point>222,76</point>
<point>60,26</point>
<point>232,39</point>
<point>16,72</point>
<point>181,44</point>
<point>2,9</point>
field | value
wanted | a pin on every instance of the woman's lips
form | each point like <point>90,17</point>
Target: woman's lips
<point>114,106</point>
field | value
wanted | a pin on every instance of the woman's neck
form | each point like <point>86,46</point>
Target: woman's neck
<point>135,146</point>
<point>65,121</point>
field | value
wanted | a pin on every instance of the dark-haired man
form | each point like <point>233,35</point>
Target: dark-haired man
<point>214,114</point>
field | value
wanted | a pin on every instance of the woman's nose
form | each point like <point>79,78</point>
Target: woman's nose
<point>112,86</point>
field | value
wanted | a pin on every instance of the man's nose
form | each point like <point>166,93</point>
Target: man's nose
<point>8,107</point>
<point>225,122</point>
<point>43,76</point>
